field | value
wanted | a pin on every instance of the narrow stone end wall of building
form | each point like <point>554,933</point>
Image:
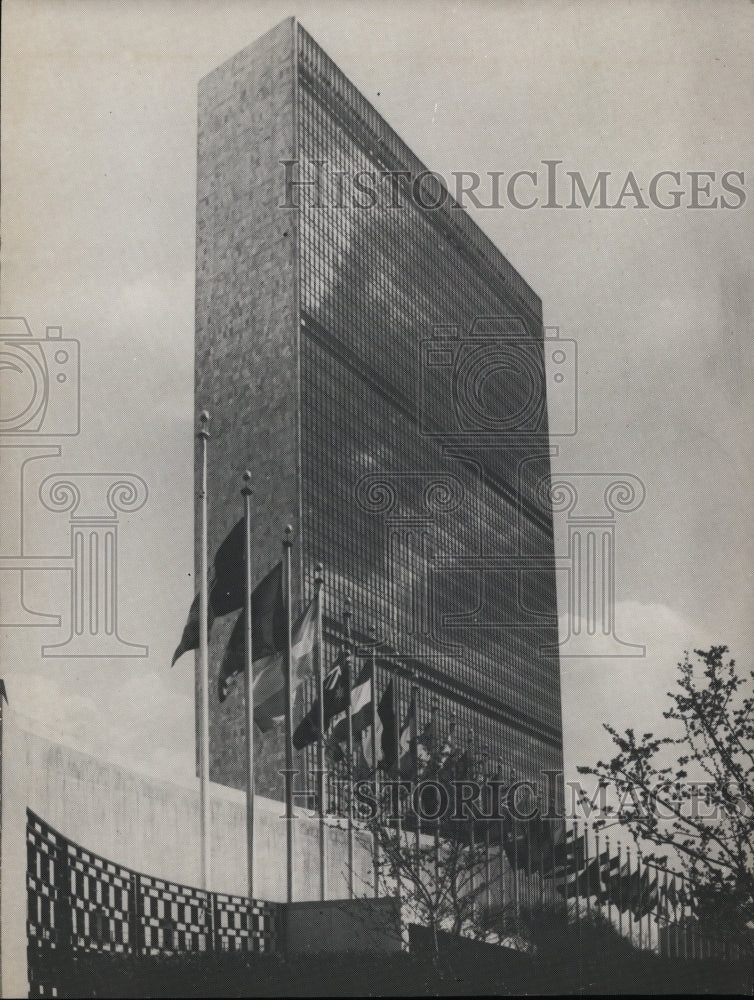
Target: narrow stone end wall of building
<point>247,338</point>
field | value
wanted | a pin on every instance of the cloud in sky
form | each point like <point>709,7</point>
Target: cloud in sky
<point>135,718</point>
<point>630,692</point>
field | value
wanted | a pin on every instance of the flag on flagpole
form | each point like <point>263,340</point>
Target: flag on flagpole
<point>595,877</point>
<point>608,870</point>
<point>361,711</point>
<point>570,859</point>
<point>624,889</point>
<point>334,702</point>
<point>645,897</point>
<point>269,676</point>
<point>406,762</point>
<point>190,637</point>
<point>267,631</point>
<point>387,728</point>
<point>226,591</point>
<point>537,853</point>
<point>371,734</point>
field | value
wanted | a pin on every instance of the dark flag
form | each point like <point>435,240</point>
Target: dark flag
<point>528,843</point>
<point>537,849</point>
<point>190,637</point>
<point>361,712</point>
<point>573,852</point>
<point>597,876</point>
<point>671,894</point>
<point>387,723</point>
<point>624,889</point>
<point>406,762</point>
<point>608,871</point>
<point>268,625</point>
<point>334,702</point>
<point>646,895</point>
<point>225,590</point>
<point>570,859</point>
<point>514,842</point>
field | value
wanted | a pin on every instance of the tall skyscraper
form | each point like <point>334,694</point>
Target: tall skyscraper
<point>375,361</point>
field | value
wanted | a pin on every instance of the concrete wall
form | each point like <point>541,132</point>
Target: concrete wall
<point>150,826</point>
<point>366,924</point>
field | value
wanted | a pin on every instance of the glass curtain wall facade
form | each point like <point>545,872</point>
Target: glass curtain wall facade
<point>423,433</point>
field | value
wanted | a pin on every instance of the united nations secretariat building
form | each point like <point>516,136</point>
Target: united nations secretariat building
<point>378,366</point>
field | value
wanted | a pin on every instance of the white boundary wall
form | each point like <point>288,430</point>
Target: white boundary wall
<point>149,825</point>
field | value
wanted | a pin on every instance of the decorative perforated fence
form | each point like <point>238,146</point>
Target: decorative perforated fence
<point>80,902</point>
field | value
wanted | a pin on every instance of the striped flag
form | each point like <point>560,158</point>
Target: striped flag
<point>269,675</point>
<point>361,712</point>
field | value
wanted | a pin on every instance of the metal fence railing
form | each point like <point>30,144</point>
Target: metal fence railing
<point>81,902</point>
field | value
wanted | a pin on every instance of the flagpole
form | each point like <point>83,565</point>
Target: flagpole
<point>620,892</point>
<point>577,866</point>
<point>487,869</point>
<point>249,689</point>
<point>608,894</point>
<point>501,832</point>
<point>287,544</point>
<point>598,900</point>
<point>527,869</point>
<point>630,894</point>
<point>515,853</point>
<point>662,913</point>
<point>375,762</point>
<point>541,826</point>
<point>472,833</point>
<point>320,676</point>
<point>204,800</point>
<point>672,919</point>
<point>434,709</point>
<point>553,893</point>
<point>662,907</point>
<point>397,751</point>
<point>349,723</point>
<point>640,892</point>
<point>415,758</point>
<point>588,886</point>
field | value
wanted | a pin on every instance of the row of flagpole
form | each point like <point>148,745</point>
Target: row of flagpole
<point>613,866</point>
<point>203,644</point>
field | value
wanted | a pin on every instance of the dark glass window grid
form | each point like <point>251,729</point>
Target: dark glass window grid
<point>361,547</point>
<point>372,282</point>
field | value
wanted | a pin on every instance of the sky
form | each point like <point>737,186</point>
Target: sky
<point>97,222</point>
